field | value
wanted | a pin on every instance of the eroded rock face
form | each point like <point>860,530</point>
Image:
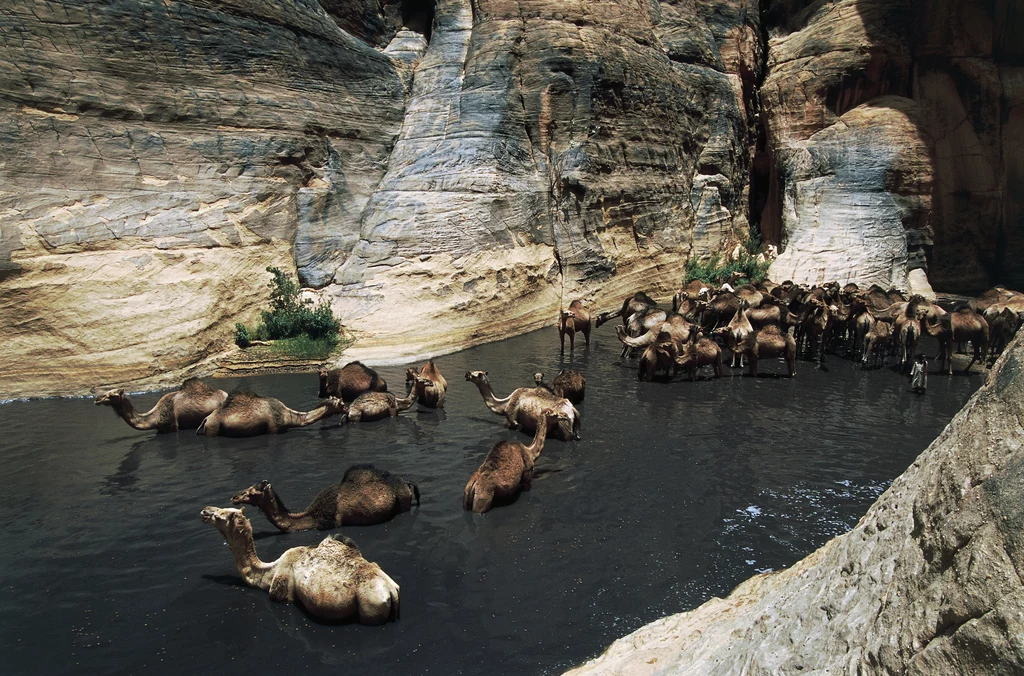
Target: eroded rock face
<point>928,582</point>
<point>467,166</point>
<point>952,71</point>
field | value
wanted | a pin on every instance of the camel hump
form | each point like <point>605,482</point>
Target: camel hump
<point>771,329</point>
<point>195,386</point>
<point>240,397</point>
<point>365,473</point>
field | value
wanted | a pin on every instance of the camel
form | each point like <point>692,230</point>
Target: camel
<point>658,356</point>
<point>702,352</point>
<point>1003,326</point>
<point>332,581</point>
<point>568,383</point>
<point>508,468</point>
<point>432,395</point>
<point>675,325</point>
<point>575,319</point>
<point>182,409</point>
<point>769,343</point>
<point>641,323</point>
<point>997,294</point>
<point>523,407</point>
<point>638,302</point>
<point>364,496</point>
<point>372,406</point>
<point>350,381</point>
<point>907,327</point>
<point>244,414</point>
<point>859,323</point>
<point>749,294</point>
<point>739,327</point>
<point>816,325</point>
<point>876,343</point>
<point>692,291</point>
<point>959,326</point>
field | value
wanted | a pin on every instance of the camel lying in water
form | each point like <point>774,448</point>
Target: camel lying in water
<point>182,409</point>
<point>522,409</point>
<point>568,383</point>
<point>350,381</point>
<point>508,468</point>
<point>245,414</point>
<point>332,581</point>
<point>371,406</point>
<point>364,496</point>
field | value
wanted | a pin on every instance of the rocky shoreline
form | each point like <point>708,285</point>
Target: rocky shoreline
<point>928,582</point>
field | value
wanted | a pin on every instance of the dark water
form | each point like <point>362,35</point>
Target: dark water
<point>677,492</point>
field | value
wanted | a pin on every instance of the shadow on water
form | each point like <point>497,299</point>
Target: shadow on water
<point>676,492</point>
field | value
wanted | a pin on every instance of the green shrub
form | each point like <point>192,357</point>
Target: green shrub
<point>291,317</point>
<point>715,271</point>
<point>242,337</point>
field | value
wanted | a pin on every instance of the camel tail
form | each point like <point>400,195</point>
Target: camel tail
<point>394,613</point>
<point>470,495</point>
<point>415,492</point>
<point>202,428</point>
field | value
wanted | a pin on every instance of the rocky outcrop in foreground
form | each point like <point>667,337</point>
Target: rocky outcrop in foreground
<point>930,581</point>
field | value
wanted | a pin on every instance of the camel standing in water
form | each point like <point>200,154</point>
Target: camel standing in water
<point>572,321</point>
<point>332,581</point>
<point>769,343</point>
<point>959,326</point>
<point>245,414</point>
<point>701,352</point>
<point>432,395</point>
<point>364,496</point>
<point>522,409</point>
<point>508,469</point>
<point>182,409</point>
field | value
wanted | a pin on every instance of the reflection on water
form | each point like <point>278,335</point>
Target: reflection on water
<point>676,492</point>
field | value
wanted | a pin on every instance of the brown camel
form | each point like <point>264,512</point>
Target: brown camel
<point>702,352</point>
<point>659,356</point>
<point>522,409</point>
<point>350,381</point>
<point>568,383</point>
<point>182,409</point>
<point>690,292</point>
<point>372,406</point>
<point>876,343</point>
<point>735,332</point>
<point>769,343</point>
<point>332,581</point>
<point>364,496</point>
<point>245,414</point>
<point>907,327</point>
<point>508,468</point>
<point>630,306</point>
<point>572,321</point>
<point>675,325</point>
<point>1003,326</point>
<point>432,395</point>
<point>959,326</point>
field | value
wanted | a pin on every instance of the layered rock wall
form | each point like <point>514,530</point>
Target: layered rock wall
<point>939,167</point>
<point>930,581</point>
<point>444,172</point>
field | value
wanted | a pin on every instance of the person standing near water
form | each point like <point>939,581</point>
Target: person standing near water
<point>919,375</point>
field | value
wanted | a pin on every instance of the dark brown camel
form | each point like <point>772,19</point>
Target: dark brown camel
<point>432,395</point>
<point>769,343</point>
<point>572,321</point>
<point>702,352</point>
<point>350,381</point>
<point>365,496</point>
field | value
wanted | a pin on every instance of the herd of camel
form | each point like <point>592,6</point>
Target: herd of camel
<point>333,581</point>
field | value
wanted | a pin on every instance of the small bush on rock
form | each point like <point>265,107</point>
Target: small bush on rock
<point>290,317</point>
<point>748,266</point>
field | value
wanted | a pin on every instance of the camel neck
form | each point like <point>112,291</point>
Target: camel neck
<point>249,566</point>
<point>126,410</point>
<point>496,405</point>
<point>284,520</point>
<point>409,399</point>
<point>302,419</point>
<point>534,449</point>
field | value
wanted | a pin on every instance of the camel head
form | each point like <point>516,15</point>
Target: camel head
<point>253,495</point>
<point>110,398</point>
<point>323,383</point>
<point>476,377</point>
<point>538,378</point>
<point>552,415</point>
<point>420,380</point>
<point>229,521</point>
<point>335,406</point>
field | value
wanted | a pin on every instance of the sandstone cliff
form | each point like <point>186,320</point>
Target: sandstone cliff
<point>444,172</point>
<point>892,141</point>
<point>928,582</point>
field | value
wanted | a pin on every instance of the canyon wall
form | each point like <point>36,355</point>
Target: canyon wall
<point>448,172</point>
<point>930,581</point>
<point>444,173</point>
<point>892,144</point>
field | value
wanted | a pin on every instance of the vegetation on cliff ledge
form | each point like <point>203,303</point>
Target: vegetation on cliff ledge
<point>747,264</point>
<point>298,327</point>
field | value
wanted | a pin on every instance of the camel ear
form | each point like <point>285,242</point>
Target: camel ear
<point>264,485</point>
<point>120,392</point>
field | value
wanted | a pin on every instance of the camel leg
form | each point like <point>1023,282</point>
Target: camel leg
<point>572,341</point>
<point>561,335</point>
<point>586,335</point>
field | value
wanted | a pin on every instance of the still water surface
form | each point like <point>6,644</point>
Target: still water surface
<point>676,492</point>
